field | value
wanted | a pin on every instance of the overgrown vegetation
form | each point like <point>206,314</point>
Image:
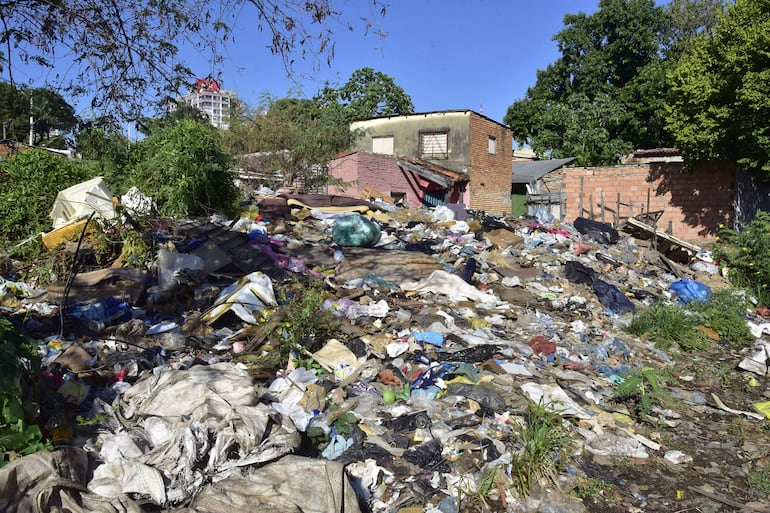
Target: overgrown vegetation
<point>593,489</point>
<point>299,324</point>
<point>19,414</point>
<point>642,389</point>
<point>542,442</point>
<point>474,490</point>
<point>726,313</point>
<point>746,254</point>
<point>681,326</point>
<point>31,182</point>
<point>760,481</point>
<point>668,325</point>
<point>186,171</point>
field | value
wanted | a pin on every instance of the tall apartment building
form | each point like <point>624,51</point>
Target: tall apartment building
<point>208,97</point>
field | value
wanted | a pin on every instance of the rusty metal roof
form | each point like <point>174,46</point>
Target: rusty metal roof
<point>437,174</point>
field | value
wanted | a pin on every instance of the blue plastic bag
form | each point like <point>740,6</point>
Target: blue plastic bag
<point>687,291</point>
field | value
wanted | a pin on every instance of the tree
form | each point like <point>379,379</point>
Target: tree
<point>368,93</point>
<point>719,106</point>
<point>605,95</point>
<point>102,141</point>
<point>49,111</point>
<point>185,170</point>
<point>125,55</point>
<point>293,138</point>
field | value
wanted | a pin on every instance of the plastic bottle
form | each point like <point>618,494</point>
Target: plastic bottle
<point>97,315</point>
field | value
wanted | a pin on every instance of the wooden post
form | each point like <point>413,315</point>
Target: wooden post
<point>617,211</point>
<point>602,205</point>
<point>591,204</point>
<point>648,200</point>
<point>580,206</point>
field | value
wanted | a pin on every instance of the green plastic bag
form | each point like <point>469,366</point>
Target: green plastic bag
<point>355,230</point>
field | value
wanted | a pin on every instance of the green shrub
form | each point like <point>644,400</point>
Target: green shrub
<point>746,253</point>
<point>725,314</point>
<point>30,183</point>
<point>186,171</point>
<point>300,324</point>
<point>643,388</point>
<point>667,325</point>
<point>18,413</point>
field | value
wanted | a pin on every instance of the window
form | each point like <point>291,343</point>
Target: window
<point>383,144</point>
<point>434,145</point>
<point>492,145</point>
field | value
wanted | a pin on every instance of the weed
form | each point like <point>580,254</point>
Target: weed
<point>643,388</point>
<point>725,314</point>
<point>19,415</point>
<point>95,420</point>
<point>475,492</point>
<point>543,442</point>
<point>760,480</point>
<point>592,488</point>
<point>668,325</point>
<point>299,323</point>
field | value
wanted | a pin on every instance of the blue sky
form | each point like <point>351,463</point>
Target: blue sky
<point>446,54</point>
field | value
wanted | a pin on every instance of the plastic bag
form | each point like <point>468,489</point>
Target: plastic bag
<point>688,290</point>
<point>355,230</point>
<point>599,232</point>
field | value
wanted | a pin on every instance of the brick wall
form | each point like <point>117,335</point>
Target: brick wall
<point>693,204</point>
<point>361,169</point>
<point>490,175</point>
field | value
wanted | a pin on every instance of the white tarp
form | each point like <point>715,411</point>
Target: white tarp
<point>78,201</point>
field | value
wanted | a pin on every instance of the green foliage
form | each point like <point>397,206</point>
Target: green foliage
<point>474,494</point>
<point>667,325</point>
<point>101,141</point>
<point>294,137</point>
<point>49,112</point>
<point>300,323</point>
<point>368,93</point>
<point>726,314</point>
<point>128,56</point>
<point>186,171</point>
<point>760,480</point>
<point>543,443</point>
<point>30,180</point>
<point>718,106</point>
<point>591,488</point>
<point>644,388</point>
<point>18,413</point>
<point>605,95</point>
<point>745,253</point>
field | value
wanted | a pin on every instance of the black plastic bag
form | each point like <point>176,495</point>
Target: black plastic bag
<point>579,273</point>
<point>612,298</point>
<point>599,232</point>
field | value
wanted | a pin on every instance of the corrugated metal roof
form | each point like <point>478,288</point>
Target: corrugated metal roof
<point>436,174</point>
<point>526,172</point>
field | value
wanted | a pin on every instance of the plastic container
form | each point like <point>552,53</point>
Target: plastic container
<point>171,261</point>
<point>97,315</point>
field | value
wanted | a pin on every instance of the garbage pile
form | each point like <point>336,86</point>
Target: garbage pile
<point>443,332</point>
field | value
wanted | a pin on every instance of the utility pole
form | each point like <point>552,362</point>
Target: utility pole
<point>31,123</point>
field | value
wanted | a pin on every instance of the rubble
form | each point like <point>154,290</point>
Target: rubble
<point>447,332</point>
